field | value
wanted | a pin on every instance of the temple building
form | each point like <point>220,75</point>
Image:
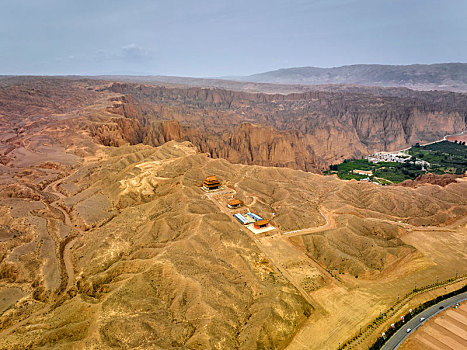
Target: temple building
<point>261,223</point>
<point>211,183</point>
<point>234,203</point>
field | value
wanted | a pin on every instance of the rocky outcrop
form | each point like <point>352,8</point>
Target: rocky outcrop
<point>118,132</point>
<point>432,179</point>
<point>259,145</point>
<point>305,131</point>
<point>121,131</point>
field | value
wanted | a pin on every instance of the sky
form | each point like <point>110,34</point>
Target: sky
<point>210,38</point>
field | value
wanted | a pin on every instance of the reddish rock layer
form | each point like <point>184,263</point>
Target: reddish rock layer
<point>433,179</point>
<point>301,130</point>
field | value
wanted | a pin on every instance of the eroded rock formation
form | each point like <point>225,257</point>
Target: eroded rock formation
<point>306,131</point>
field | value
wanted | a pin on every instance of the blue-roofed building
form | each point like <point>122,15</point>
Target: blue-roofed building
<point>254,216</point>
<point>243,220</point>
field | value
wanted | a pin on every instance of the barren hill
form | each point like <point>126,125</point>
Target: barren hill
<point>443,76</point>
<point>108,241</point>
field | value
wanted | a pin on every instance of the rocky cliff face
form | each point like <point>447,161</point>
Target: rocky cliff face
<point>120,131</point>
<point>259,145</point>
<point>305,131</point>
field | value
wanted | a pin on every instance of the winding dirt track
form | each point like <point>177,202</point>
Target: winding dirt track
<point>330,223</point>
<point>64,253</point>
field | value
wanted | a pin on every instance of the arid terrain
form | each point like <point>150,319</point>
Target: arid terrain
<point>306,131</point>
<point>108,241</point>
<point>447,330</point>
<point>444,76</point>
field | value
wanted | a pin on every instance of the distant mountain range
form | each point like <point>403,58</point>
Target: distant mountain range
<point>374,78</point>
<point>444,76</point>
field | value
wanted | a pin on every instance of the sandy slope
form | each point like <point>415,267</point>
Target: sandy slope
<point>104,247</point>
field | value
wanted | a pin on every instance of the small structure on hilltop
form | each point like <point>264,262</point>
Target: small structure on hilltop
<point>261,223</point>
<point>211,183</point>
<point>234,203</point>
<point>254,222</point>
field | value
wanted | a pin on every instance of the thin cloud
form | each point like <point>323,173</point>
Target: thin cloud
<point>134,52</point>
<point>129,52</point>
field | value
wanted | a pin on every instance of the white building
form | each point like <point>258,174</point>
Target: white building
<point>398,157</point>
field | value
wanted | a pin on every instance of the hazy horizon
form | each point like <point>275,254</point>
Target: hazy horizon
<point>180,38</point>
<point>225,76</point>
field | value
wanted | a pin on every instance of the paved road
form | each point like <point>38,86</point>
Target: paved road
<point>414,323</point>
